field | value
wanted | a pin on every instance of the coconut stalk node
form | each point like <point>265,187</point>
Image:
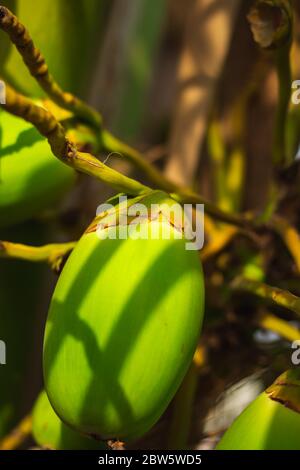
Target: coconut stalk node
<point>32,180</point>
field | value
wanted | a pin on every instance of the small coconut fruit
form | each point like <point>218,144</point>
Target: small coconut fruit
<point>272,421</point>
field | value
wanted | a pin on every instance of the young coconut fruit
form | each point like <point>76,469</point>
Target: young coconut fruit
<point>124,322</point>
<point>272,421</point>
<point>32,179</point>
<point>50,432</point>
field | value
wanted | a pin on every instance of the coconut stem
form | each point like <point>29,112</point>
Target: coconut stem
<point>115,445</point>
<point>67,152</point>
<point>62,148</point>
<point>277,325</point>
<point>183,404</point>
<point>271,22</point>
<point>280,297</point>
<point>246,220</point>
<point>218,242</point>
<point>38,68</point>
<point>284,74</point>
<point>18,435</point>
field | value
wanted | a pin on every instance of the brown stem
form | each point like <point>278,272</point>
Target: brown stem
<point>280,297</point>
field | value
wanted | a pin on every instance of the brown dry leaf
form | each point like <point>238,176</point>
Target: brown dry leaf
<point>270,23</point>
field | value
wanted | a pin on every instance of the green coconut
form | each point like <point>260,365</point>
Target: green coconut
<point>271,422</point>
<point>32,179</point>
<point>123,325</point>
<point>50,432</point>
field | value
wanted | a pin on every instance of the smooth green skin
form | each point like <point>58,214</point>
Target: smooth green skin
<point>67,32</point>
<point>143,38</point>
<point>121,332</point>
<point>54,25</point>
<point>264,425</point>
<point>50,432</point>
<point>32,179</point>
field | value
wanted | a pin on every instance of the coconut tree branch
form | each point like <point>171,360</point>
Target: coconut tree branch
<point>64,150</point>
<point>187,196</point>
<point>38,68</point>
<point>289,235</point>
<point>52,254</point>
<point>199,70</point>
<point>113,144</point>
<point>280,297</point>
<point>218,242</point>
<point>286,389</point>
<point>183,195</point>
<point>285,79</point>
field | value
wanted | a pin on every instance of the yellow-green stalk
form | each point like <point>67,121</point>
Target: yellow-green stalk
<point>272,27</point>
